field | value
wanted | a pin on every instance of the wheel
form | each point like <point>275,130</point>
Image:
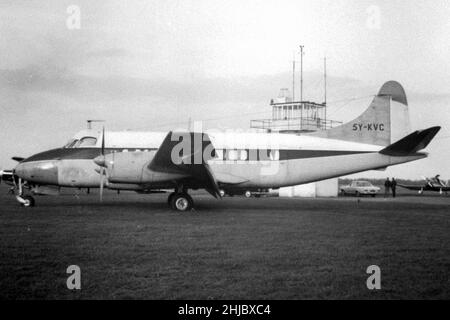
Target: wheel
<point>29,201</point>
<point>181,202</point>
<point>247,194</point>
<point>357,193</point>
<point>222,193</point>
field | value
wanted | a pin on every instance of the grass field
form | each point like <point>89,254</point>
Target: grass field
<point>133,246</point>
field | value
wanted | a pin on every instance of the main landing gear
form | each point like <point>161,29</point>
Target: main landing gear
<point>180,201</point>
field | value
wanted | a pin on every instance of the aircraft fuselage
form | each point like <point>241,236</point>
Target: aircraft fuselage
<point>241,160</point>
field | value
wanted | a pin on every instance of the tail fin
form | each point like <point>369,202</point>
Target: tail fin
<point>412,143</point>
<point>380,123</point>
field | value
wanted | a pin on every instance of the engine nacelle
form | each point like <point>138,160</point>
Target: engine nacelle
<point>132,168</point>
<point>127,167</point>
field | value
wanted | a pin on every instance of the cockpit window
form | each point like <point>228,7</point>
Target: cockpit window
<point>82,143</point>
<point>71,143</point>
<point>86,142</point>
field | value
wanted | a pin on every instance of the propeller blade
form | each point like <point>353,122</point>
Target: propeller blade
<point>102,174</point>
<point>101,162</point>
<point>103,141</point>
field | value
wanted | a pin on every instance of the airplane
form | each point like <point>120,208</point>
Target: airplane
<point>148,162</point>
<point>432,184</point>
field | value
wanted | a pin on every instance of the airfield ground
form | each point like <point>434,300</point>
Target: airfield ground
<point>133,246</point>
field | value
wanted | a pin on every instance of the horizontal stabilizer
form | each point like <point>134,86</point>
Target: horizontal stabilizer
<point>18,159</point>
<point>412,143</point>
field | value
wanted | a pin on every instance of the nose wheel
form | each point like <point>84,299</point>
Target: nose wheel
<point>28,201</point>
<point>180,201</point>
<point>25,201</point>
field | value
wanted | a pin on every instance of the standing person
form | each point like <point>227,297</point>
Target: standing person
<point>387,187</point>
<point>393,186</point>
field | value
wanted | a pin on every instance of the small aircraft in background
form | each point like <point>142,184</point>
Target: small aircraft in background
<point>7,177</point>
<point>435,184</point>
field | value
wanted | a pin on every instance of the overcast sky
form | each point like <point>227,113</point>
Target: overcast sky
<point>153,64</point>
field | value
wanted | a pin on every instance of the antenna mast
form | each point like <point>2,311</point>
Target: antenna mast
<point>293,76</point>
<point>301,72</point>
<point>325,84</point>
<point>89,123</point>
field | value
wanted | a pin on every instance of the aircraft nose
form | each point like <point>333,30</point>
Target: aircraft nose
<point>41,172</point>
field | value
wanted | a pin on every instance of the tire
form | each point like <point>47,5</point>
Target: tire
<point>357,194</point>
<point>169,198</point>
<point>29,201</point>
<point>181,202</point>
<point>374,195</point>
<point>222,193</point>
<point>247,194</point>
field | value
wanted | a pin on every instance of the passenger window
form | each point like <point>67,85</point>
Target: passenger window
<point>232,155</point>
<point>274,155</point>
<point>264,155</point>
<point>219,154</point>
<point>243,155</point>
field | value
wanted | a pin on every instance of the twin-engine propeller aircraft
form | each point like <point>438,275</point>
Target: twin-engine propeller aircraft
<point>150,161</point>
<point>435,184</point>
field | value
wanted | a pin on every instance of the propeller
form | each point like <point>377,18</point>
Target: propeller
<point>101,162</point>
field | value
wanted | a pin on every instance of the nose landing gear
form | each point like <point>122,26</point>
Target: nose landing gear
<point>25,201</point>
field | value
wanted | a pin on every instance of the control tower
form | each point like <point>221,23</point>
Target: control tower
<point>291,116</point>
<point>294,116</point>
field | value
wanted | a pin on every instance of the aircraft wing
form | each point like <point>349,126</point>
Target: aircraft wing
<point>187,153</point>
<point>415,187</point>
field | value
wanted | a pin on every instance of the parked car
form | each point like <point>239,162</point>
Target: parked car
<point>360,188</point>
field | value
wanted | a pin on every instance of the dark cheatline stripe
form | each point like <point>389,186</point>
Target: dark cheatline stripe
<point>304,154</point>
<point>91,153</point>
<point>75,153</point>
